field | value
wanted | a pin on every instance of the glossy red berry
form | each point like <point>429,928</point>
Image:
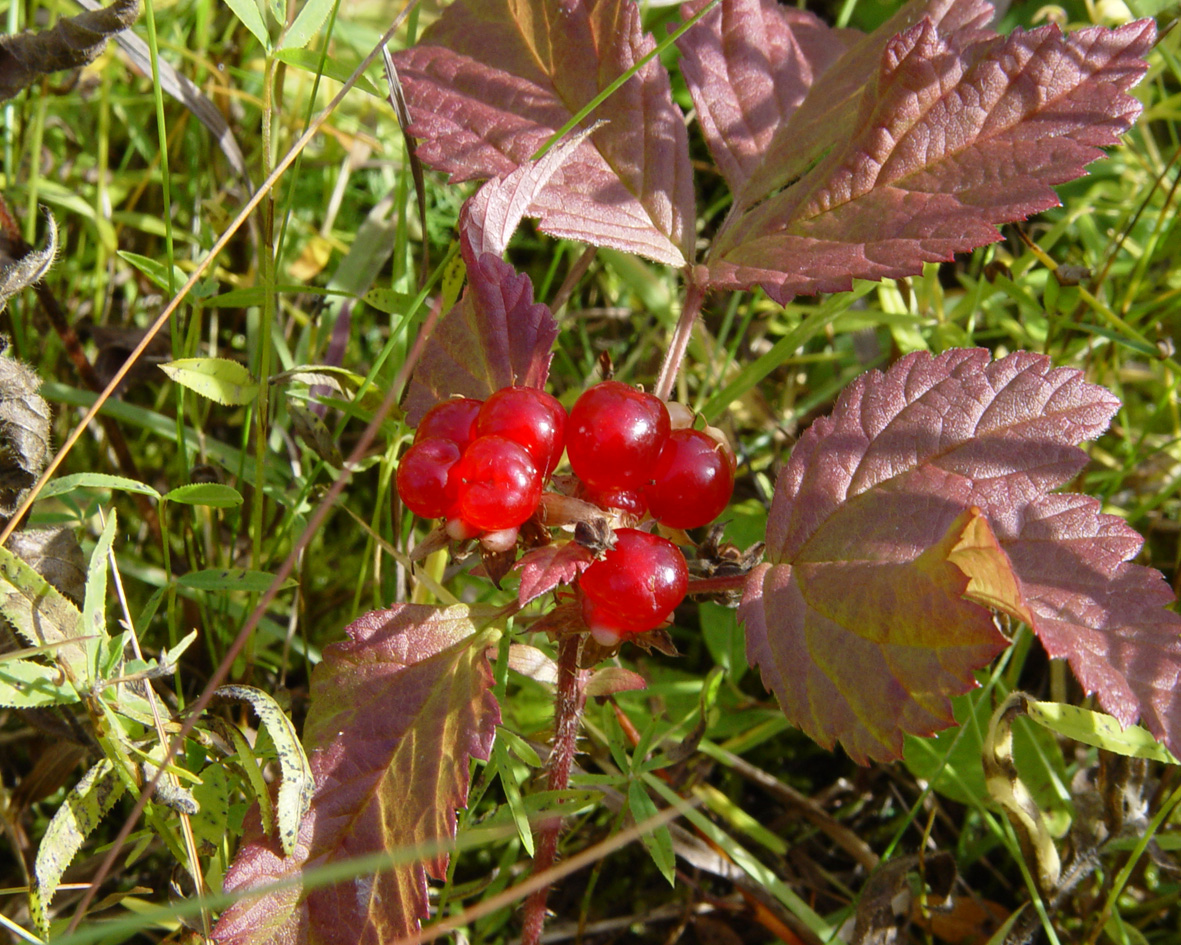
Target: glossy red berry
<point>426,480</point>
<point>615,435</point>
<point>498,484</point>
<point>529,417</point>
<point>625,500</point>
<point>692,480</point>
<point>453,419</point>
<point>634,587</point>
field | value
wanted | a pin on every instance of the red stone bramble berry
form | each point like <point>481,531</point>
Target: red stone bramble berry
<point>615,435</point>
<point>530,418</point>
<point>692,480</point>
<point>426,480</point>
<point>634,587</point>
<point>453,419</point>
<point>498,484</point>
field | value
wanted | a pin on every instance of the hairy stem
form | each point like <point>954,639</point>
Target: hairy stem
<point>569,702</point>
<point>679,343</point>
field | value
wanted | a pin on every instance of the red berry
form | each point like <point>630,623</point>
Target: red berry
<point>635,587</point>
<point>615,435</point>
<point>426,477</point>
<point>626,500</point>
<point>530,418</point>
<point>453,419</point>
<point>692,481</point>
<point>498,484</point>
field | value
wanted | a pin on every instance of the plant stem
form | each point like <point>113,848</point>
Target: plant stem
<point>569,701</point>
<point>679,344</point>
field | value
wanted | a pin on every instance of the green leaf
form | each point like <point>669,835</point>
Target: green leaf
<point>389,301</point>
<point>248,761</point>
<point>156,271</point>
<point>229,579</point>
<point>333,68</point>
<point>25,685</point>
<point>512,795</point>
<point>84,807</point>
<point>297,785</point>
<point>251,16</point>
<point>213,494</point>
<point>90,480</point>
<point>212,818</point>
<point>314,433</point>
<point>1037,754</point>
<point>659,842</point>
<point>1099,730</point>
<point>41,614</point>
<point>307,24</point>
<point>220,379</point>
<point>94,602</point>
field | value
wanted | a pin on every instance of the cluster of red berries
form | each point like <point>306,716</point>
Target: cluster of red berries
<point>481,465</point>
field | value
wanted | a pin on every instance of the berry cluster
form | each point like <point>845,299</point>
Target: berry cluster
<point>482,465</point>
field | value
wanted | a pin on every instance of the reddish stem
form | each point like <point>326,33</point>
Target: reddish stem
<point>717,585</point>
<point>679,343</point>
<point>569,701</point>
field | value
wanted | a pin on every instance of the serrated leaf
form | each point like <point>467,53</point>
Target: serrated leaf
<point>550,566</point>
<point>749,65</point>
<point>41,614</point>
<point>957,130</point>
<point>250,13</point>
<point>489,219</point>
<point>1104,615</point>
<point>296,784</point>
<point>215,495</point>
<point>492,81</point>
<point>495,336</point>
<point>63,485</point>
<point>72,42</point>
<point>219,379</point>
<point>916,491</point>
<point>25,684</point>
<point>397,711</point>
<point>83,808</point>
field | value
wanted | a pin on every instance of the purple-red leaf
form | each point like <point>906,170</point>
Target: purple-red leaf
<point>1105,616</point>
<point>953,135</point>
<point>923,499</point>
<point>489,219</point>
<point>809,122</point>
<point>406,678</point>
<point>551,566</point>
<point>495,336</point>
<point>749,65</point>
<point>491,82</point>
